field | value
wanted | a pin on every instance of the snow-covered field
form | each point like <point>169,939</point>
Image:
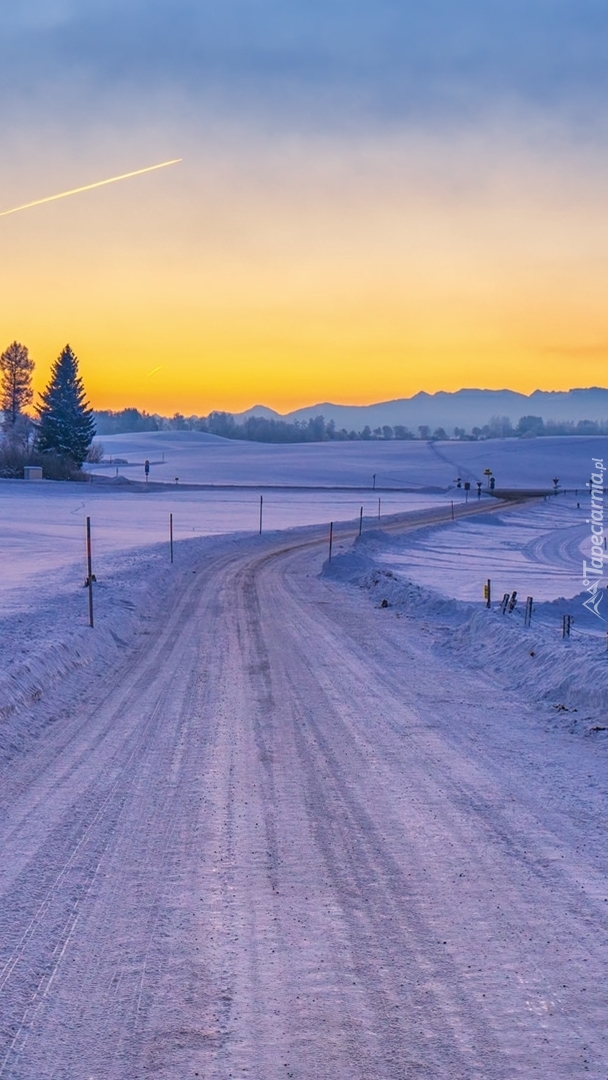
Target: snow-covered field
<point>42,546</point>
<point>206,459</point>
<point>537,549</point>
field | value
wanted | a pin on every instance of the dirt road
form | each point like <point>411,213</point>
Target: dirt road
<point>285,841</point>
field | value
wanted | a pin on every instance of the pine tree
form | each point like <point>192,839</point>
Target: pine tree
<point>66,421</point>
<point>16,387</point>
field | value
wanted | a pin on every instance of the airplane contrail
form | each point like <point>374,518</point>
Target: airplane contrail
<point>89,187</point>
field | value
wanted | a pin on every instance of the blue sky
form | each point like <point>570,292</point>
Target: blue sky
<point>312,63</point>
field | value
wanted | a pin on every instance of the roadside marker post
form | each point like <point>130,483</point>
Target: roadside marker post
<point>567,621</point>
<point>89,581</point>
<point>504,603</point>
<point>378,509</point>
<point>452,509</point>
<point>487,593</point>
<point>528,611</point>
<point>171,535</point>
<point>360,521</point>
<point>331,538</point>
<point>261,511</point>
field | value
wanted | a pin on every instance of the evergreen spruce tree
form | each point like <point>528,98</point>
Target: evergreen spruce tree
<point>66,421</point>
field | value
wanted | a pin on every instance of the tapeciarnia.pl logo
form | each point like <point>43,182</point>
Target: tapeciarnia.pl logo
<point>593,572</point>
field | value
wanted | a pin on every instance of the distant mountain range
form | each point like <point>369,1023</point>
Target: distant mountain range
<point>463,408</point>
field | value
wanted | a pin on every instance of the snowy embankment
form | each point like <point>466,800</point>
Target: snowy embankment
<point>568,676</point>
<point>50,639</point>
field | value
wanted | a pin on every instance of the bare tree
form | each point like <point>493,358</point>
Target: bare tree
<point>16,384</point>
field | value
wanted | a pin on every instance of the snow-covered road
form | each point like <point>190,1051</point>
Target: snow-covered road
<point>285,839</point>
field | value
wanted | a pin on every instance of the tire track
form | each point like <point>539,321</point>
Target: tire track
<point>370,888</point>
<point>88,835</point>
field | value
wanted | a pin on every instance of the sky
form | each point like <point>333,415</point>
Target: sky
<point>376,197</point>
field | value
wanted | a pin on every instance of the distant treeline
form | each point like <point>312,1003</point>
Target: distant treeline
<point>254,429</point>
<point>316,429</point>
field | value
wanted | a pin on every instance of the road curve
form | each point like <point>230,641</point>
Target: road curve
<point>287,840</point>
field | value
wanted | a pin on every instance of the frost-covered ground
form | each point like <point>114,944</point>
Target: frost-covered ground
<point>537,550</point>
<point>42,541</point>
<point>200,458</point>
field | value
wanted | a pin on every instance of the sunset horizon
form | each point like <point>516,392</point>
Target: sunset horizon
<point>368,205</point>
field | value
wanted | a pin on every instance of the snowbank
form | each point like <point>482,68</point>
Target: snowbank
<point>50,639</point>
<point>570,675</point>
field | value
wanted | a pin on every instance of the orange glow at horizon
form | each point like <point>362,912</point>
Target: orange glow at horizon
<point>321,275</point>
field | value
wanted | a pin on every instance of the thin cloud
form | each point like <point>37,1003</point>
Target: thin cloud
<point>368,59</point>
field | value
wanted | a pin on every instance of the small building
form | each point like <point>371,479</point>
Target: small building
<point>32,472</point>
